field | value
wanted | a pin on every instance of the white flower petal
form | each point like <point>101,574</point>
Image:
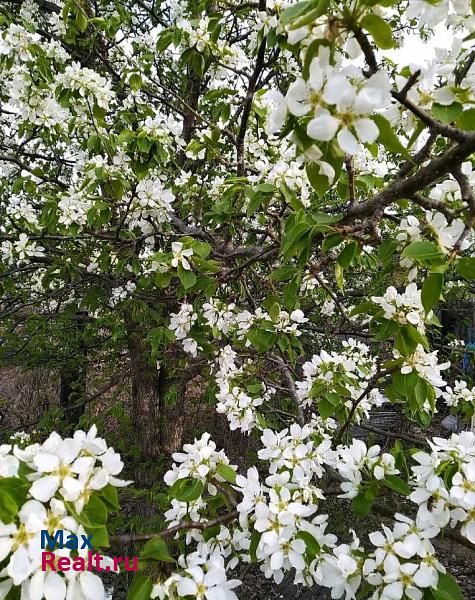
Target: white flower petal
<point>91,586</point>
<point>347,141</point>
<point>323,127</point>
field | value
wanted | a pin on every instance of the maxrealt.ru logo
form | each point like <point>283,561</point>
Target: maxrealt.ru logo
<point>86,559</point>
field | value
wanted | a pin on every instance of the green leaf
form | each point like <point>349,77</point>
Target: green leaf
<point>140,589</point>
<point>346,255</point>
<point>330,241</point>
<point>387,249</point>
<point>94,513</point>
<point>466,120</point>
<point>187,277</point>
<point>388,138</point>
<point>466,268</point>
<point>14,593</point>
<point>202,249</point>
<point>283,273</point>
<point>404,343</point>
<point>296,239</point>
<point>186,490</point>
<point>297,10</point>
<point>110,497</point>
<point>81,20</point>
<point>135,81</point>
<point>447,589</point>
<point>385,330</point>
<point>304,13</point>
<point>156,549</point>
<point>320,183</point>
<point>290,293</point>
<point>100,535</point>
<point>311,544</point>
<point>404,384</point>
<point>8,507</point>
<point>421,251</point>
<point>262,339</point>
<point>362,504</point>
<point>365,307</point>
<point>325,408</point>
<point>447,114</point>
<point>397,484</point>
<point>227,473</point>
<point>432,290</point>
<point>416,335</point>
<point>266,188</point>
<point>255,539</point>
<point>15,487</point>
<point>380,31</point>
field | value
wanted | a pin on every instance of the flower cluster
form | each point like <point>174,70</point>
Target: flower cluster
<point>88,84</point>
<point>351,368</point>
<point>459,394</point>
<point>153,202</point>
<point>60,471</point>
<point>20,250</point>
<point>426,364</point>
<point>227,319</point>
<point>403,308</point>
<point>358,464</point>
<point>181,323</point>
<point>202,576</point>
<point>199,460</point>
<point>237,402</point>
<point>404,562</point>
<point>340,101</point>
<point>444,483</point>
<point>279,513</point>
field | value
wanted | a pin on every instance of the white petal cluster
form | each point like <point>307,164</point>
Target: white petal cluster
<point>181,255</point>
<point>20,250</point>
<point>459,394</point>
<point>352,367</point>
<point>202,575</point>
<point>446,499</point>
<point>403,308</point>
<point>182,322</point>
<point>73,208</point>
<point>358,464</point>
<point>199,460</point>
<point>447,235</point>
<point>88,83</point>
<point>426,364</point>
<point>153,202</point>
<point>237,400</point>
<point>404,561</point>
<point>340,101</point>
<point>59,471</point>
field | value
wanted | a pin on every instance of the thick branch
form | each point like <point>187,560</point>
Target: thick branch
<point>129,538</point>
<point>406,188</point>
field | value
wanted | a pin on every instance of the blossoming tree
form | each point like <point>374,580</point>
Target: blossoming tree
<point>272,197</point>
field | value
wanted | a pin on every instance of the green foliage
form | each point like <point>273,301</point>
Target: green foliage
<point>186,490</point>
<point>379,29</point>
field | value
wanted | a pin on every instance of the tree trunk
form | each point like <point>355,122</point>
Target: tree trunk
<point>172,419</point>
<point>145,399</point>
<point>72,393</point>
<point>157,422</point>
<point>72,389</point>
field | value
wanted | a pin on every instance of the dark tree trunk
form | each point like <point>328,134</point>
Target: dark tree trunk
<point>157,423</point>
<point>72,389</point>
<point>145,398</point>
<point>72,393</point>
